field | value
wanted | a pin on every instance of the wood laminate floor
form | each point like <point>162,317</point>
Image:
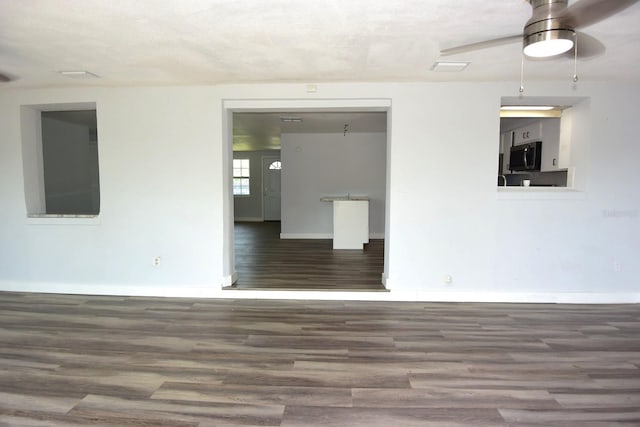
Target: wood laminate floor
<point>120,361</point>
<point>264,261</point>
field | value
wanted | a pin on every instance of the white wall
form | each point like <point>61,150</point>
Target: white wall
<point>160,196</point>
<point>330,164</point>
<point>163,193</point>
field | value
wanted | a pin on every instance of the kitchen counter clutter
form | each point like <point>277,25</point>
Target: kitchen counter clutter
<point>560,179</point>
<point>541,186</point>
<point>350,221</point>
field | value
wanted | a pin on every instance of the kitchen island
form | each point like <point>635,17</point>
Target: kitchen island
<point>350,221</point>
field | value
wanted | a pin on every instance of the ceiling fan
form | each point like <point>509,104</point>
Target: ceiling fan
<point>551,30</point>
<point>4,78</point>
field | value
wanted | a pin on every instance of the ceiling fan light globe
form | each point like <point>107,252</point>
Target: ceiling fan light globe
<point>548,48</point>
<point>548,43</point>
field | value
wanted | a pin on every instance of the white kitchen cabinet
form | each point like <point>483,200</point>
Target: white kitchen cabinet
<point>530,133</point>
<point>505,150</point>
<point>350,224</point>
<point>550,145</point>
<point>556,145</point>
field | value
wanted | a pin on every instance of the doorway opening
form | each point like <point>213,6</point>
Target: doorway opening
<point>279,235</point>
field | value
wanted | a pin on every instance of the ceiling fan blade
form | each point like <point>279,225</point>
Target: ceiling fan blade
<point>481,45</point>
<point>588,46</point>
<point>4,78</point>
<point>587,12</point>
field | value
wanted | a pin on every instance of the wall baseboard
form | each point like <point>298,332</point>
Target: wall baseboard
<point>306,235</point>
<point>321,235</point>
<point>149,290</point>
<point>384,281</point>
<point>230,280</point>
<point>216,291</point>
<point>249,219</point>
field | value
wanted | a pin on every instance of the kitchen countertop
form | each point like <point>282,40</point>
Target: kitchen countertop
<point>344,198</point>
<point>533,188</point>
<point>539,193</point>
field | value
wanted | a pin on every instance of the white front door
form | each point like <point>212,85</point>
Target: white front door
<point>271,188</point>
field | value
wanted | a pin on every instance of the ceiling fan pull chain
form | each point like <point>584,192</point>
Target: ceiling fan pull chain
<point>575,57</point>
<point>522,74</point>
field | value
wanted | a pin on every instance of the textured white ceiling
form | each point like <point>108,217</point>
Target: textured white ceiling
<point>218,41</point>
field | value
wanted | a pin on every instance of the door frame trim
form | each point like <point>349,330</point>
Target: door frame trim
<point>230,106</point>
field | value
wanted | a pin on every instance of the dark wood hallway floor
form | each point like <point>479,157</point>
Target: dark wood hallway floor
<point>264,261</point>
<point>76,360</point>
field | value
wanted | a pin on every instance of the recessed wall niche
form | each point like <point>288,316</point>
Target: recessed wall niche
<point>60,159</point>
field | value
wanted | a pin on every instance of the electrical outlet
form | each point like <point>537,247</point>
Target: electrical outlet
<point>448,279</point>
<point>156,261</point>
<point>617,266</point>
